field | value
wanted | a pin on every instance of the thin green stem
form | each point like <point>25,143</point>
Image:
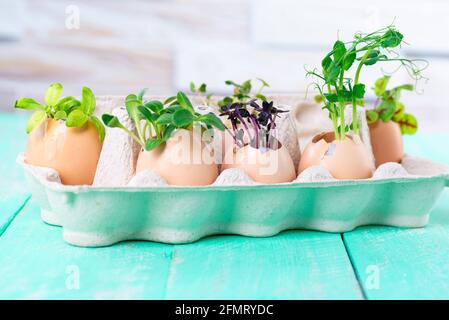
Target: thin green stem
<point>132,135</point>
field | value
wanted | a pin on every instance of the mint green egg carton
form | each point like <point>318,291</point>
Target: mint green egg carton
<point>100,216</point>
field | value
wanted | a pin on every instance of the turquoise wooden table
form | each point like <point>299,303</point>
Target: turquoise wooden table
<point>369,263</point>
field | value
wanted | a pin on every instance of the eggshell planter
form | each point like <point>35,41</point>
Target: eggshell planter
<point>100,215</point>
<point>347,158</point>
<point>73,152</point>
<point>181,161</point>
<point>386,141</point>
<point>263,165</point>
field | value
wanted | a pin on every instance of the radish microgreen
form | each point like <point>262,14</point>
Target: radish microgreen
<point>74,112</point>
<point>155,120</point>
<point>251,116</point>
<point>388,106</point>
<point>337,89</point>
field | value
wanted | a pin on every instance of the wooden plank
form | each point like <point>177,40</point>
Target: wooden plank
<point>393,263</point>
<point>13,192</point>
<point>37,264</point>
<point>292,265</point>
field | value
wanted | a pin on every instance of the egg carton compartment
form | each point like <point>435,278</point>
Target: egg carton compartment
<point>123,206</point>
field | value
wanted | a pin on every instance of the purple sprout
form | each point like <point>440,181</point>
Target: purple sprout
<point>257,122</point>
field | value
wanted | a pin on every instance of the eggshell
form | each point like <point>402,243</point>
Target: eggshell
<point>386,141</point>
<point>263,165</point>
<point>184,160</point>
<point>73,152</point>
<point>345,159</point>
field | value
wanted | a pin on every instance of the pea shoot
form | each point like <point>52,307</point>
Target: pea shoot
<point>337,89</point>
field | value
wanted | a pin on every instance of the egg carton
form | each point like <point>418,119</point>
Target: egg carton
<point>122,206</point>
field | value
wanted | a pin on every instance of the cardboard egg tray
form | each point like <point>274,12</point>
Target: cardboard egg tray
<point>122,206</point>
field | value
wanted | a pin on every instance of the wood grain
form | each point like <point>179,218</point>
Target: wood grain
<point>411,263</point>
<point>292,265</point>
<point>13,191</point>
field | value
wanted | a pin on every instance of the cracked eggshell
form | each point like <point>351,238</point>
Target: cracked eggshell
<point>184,160</point>
<point>263,165</point>
<point>386,141</point>
<point>72,152</point>
<point>345,159</point>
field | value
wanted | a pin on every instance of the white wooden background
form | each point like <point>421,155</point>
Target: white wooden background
<point>122,46</point>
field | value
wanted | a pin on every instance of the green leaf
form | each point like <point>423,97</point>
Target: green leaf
<point>225,101</point>
<point>358,91</point>
<point>60,115</point>
<point>142,93</point>
<point>88,102</point>
<point>111,121</point>
<point>192,87</point>
<point>170,100</point>
<point>260,97</point>
<point>28,104</point>
<point>147,114</point>
<point>53,94</point>
<point>391,39</point>
<point>67,104</point>
<point>264,83</point>
<point>153,143</point>
<point>332,73</point>
<point>373,57</point>
<point>77,118</point>
<point>349,60</point>
<point>168,131</point>
<point>331,97</point>
<point>386,110</point>
<point>154,105</point>
<point>99,126</point>
<point>172,109</point>
<point>339,51</point>
<point>408,124</point>
<point>212,120</point>
<point>35,120</point>
<point>399,113</point>
<point>326,62</point>
<point>372,116</point>
<point>132,103</point>
<point>246,87</point>
<point>184,101</point>
<point>381,85</point>
<point>182,118</point>
<point>165,118</point>
<point>202,88</point>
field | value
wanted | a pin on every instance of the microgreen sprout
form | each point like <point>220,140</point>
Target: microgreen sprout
<point>337,90</point>
<point>388,106</point>
<point>202,94</point>
<point>155,121</point>
<point>242,92</point>
<point>74,112</point>
<point>256,121</point>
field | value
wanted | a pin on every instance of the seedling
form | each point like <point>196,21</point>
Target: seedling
<point>256,120</point>
<point>337,89</point>
<point>74,112</point>
<point>201,93</point>
<point>155,120</point>
<point>388,106</point>
<point>242,92</point>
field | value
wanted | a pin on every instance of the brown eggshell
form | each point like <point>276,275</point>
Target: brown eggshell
<point>346,159</point>
<point>386,141</point>
<point>183,160</point>
<point>73,152</point>
<point>263,165</point>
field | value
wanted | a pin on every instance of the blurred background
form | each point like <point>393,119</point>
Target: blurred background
<point>118,47</point>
